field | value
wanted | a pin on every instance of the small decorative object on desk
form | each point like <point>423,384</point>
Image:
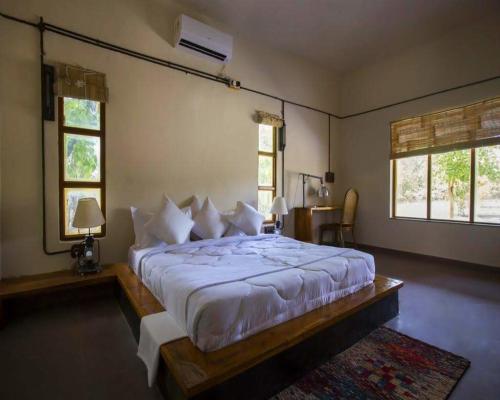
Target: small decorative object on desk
<point>88,215</point>
<point>279,208</point>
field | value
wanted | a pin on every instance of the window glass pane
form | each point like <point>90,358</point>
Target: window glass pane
<point>450,182</point>
<point>265,201</point>
<point>411,187</point>
<point>82,113</point>
<point>71,197</point>
<point>82,156</point>
<point>487,198</point>
<point>266,138</point>
<point>265,171</point>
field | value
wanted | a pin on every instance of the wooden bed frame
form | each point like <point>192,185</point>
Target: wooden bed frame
<point>254,368</point>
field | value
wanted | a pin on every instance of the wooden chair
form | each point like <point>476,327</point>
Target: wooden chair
<point>346,222</point>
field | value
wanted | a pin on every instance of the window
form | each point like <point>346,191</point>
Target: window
<point>411,187</point>
<point>446,165</point>
<point>450,185</point>
<point>487,185</point>
<point>266,170</point>
<point>81,160</point>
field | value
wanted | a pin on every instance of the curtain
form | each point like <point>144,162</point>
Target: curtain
<point>80,83</point>
<point>464,127</point>
<point>265,118</point>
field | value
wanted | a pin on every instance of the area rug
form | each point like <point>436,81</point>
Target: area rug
<point>383,365</point>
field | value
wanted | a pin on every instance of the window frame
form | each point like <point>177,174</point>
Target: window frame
<point>274,155</point>
<point>472,194</point>
<point>63,184</point>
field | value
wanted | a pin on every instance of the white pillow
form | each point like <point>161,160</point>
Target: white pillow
<point>187,211</point>
<point>170,224</point>
<point>209,223</point>
<point>234,231</point>
<point>143,238</point>
<point>195,206</point>
<point>247,218</point>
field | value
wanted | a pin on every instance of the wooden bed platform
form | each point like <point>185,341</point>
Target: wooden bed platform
<point>254,368</point>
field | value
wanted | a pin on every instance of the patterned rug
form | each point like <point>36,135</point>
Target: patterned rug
<point>384,365</point>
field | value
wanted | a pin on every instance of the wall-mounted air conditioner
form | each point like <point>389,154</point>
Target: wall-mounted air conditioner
<point>202,39</point>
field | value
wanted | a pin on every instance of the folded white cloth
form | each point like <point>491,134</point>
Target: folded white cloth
<point>156,329</point>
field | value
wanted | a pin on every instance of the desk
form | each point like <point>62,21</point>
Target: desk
<point>303,220</point>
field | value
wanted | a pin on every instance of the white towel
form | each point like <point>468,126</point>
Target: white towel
<point>156,329</point>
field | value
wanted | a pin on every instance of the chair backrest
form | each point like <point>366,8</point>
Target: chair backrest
<point>350,205</point>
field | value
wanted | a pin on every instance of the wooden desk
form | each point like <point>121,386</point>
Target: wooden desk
<point>303,220</point>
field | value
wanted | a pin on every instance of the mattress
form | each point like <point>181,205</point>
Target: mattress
<point>223,290</point>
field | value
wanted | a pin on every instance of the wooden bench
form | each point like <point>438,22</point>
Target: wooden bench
<point>273,356</point>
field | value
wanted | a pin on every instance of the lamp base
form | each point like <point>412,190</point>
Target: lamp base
<point>278,227</point>
<point>88,268</point>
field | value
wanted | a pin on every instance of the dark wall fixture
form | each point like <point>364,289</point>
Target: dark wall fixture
<point>329,175</point>
<point>47,27</point>
<point>48,105</point>
<point>281,147</point>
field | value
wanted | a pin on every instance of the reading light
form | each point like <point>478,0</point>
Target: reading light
<point>322,191</point>
<point>88,215</point>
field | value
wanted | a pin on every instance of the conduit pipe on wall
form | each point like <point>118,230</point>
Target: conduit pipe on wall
<point>42,27</point>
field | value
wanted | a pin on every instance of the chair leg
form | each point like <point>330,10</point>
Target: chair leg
<point>354,238</point>
<point>342,244</point>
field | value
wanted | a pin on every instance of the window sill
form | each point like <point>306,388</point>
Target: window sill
<point>445,221</point>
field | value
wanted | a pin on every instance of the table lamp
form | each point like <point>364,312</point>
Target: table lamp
<point>279,208</point>
<point>88,215</point>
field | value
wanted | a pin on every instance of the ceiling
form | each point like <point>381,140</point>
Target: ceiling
<point>343,34</point>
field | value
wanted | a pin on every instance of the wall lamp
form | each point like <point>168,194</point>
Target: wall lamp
<point>322,191</point>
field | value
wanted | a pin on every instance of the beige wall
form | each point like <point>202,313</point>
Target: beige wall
<point>166,131</point>
<point>169,132</point>
<point>462,56</point>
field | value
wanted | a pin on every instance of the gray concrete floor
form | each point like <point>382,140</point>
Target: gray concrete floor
<point>455,308</point>
<point>87,351</point>
<point>75,351</point>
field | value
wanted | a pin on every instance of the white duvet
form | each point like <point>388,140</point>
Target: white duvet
<point>222,290</point>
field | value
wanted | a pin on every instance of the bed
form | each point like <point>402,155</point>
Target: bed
<point>221,291</point>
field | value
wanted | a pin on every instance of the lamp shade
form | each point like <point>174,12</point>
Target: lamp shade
<point>279,206</point>
<point>88,214</point>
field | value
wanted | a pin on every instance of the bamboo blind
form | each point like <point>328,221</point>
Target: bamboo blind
<point>80,83</point>
<point>266,118</point>
<point>464,127</point>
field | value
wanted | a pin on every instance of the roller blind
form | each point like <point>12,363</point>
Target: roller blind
<point>80,83</point>
<point>266,118</point>
<point>464,127</point>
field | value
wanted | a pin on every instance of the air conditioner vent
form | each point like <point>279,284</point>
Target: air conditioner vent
<point>201,49</point>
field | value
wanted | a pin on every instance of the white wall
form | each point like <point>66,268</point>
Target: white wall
<point>459,57</point>
<point>166,131</point>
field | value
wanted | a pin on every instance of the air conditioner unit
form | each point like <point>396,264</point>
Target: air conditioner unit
<point>201,39</point>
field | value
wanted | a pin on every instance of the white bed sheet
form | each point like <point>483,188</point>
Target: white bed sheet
<point>223,290</point>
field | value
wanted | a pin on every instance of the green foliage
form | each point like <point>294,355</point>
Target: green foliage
<point>453,168</point>
<point>265,171</point>
<point>488,164</point>
<point>82,113</point>
<point>81,158</point>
